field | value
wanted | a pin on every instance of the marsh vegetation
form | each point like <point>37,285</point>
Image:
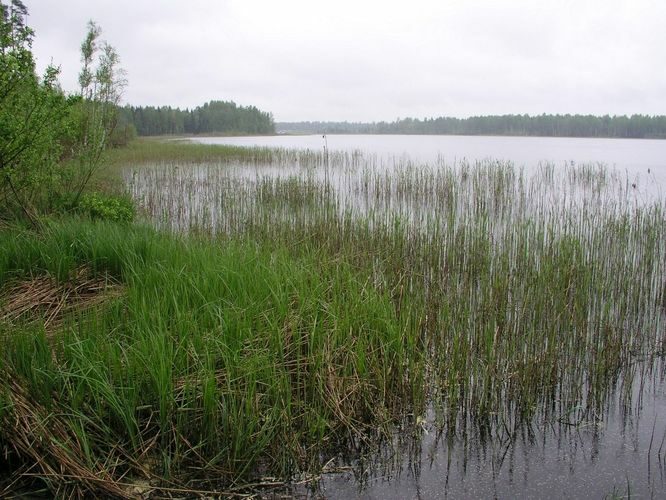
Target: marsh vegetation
<point>292,312</point>
<point>521,298</point>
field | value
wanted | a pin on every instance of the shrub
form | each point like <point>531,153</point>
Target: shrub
<point>106,207</point>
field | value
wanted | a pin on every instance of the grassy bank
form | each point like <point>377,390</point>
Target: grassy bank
<point>295,306</point>
<point>218,358</point>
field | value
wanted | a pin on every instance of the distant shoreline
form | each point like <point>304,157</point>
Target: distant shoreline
<point>296,134</point>
<point>584,126</point>
<point>303,134</point>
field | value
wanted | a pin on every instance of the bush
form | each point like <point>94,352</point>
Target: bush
<point>122,135</point>
<point>32,110</point>
<point>106,207</point>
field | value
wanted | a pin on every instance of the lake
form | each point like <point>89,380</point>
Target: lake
<point>621,455</point>
<point>636,156</point>
<point>450,190</point>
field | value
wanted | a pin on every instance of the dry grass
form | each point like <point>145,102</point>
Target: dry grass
<point>47,441</point>
<point>37,434</point>
<point>43,298</point>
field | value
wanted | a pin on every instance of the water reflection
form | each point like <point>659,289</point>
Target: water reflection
<point>617,452</point>
<point>632,157</point>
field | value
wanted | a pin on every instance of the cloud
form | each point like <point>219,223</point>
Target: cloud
<point>371,60</point>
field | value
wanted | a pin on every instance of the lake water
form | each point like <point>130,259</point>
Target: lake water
<point>619,453</point>
<point>638,157</point>
<point>620,456</point>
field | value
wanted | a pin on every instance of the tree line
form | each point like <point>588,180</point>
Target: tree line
<point>213,117</point>
<point>635,126</point>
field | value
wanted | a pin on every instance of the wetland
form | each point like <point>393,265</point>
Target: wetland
<point>521,351</point>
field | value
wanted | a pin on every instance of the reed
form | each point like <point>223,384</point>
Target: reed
<point>290,305</point>
<point>553,269</point>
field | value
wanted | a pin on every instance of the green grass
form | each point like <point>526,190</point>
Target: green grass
<point>218,357</point>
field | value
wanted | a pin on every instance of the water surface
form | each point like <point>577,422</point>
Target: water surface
<point>635,156</point>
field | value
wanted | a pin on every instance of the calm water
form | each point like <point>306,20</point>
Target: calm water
<point>635,156</point>
<point>620,453</point>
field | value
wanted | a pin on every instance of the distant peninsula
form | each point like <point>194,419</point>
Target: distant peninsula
<point>214,117</point>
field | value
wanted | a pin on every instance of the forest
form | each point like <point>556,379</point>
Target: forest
<point>224,117</point>
<point>635,126</point>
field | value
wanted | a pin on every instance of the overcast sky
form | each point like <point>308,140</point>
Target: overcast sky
<point>363,60</point>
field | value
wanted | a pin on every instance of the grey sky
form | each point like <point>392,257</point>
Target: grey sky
<point>374,60</point>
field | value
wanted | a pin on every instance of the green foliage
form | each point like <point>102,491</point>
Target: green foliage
<point>122,135</point>
<point>51,144</point>
<point>300,325</point>
<point>518,279</point>
<point>93,115</point>
<point>106,207</point>
<point>32,110</point>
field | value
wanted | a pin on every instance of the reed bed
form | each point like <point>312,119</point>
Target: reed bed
<point>293,306</point>
<point>520,281</point>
